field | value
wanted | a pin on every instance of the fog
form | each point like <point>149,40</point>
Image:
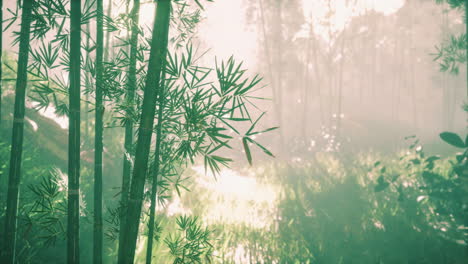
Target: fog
<point>361,70</point>
<point>369,62</point>
<point>263,131</point>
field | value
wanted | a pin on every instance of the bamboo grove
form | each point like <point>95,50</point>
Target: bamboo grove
<point>127,135</point>
<point>147,80</point>
<point>374,60</point>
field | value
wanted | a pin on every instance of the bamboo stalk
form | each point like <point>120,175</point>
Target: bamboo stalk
<point>98,137</point>
<point>275,83</point>
<point>14,177</point>
<point>305,88</point>
<point>88,84</point>
<point>152,88</point>
<point>73,252</point>
<point>340,87</point>
<point>108,34</point>
<point>1,52</point>
<point>279,74</point>
<point>157,154</point>
<point>130,95</point>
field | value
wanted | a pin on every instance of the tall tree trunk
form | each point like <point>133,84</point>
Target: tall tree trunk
<point>412,65</point>
<point>1,52</point>
<point>329,95</point>
<point>270,64</point>
<point>128,144</point>
<point>362,70</point>
<point>374,52</point>
<point>364,92</point>
<point>88,84</point>
<point>157,154</point>
<point>9,240</point>
<point>340,89</point>
<point>73,253</point>
<point>330,71</point>
<point>152,88</point>
<point>98,131</point>
<point>466,115</point>
<point>399,77</point>
<point>395,84</point>
<point>279,74</point>
<point>305,87</point>
<point>108,37</point>
<point>445,91</point>
<point>466,43</point>
<point>318,77</point>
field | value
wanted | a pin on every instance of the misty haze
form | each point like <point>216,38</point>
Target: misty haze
<point>234,131</point>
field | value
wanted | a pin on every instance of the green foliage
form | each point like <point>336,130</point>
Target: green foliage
<point>192,244</point>
<point>443,187</point>
<point>41,218</point>
<point>47,213</point>
<point>453,3</point>
<point>451,54</point>
<point>200,116</point>
<point>328,211</point>
<point>454,139</point>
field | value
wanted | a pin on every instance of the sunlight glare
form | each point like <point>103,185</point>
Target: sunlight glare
<point>238,199</point>
<point>49,112</point>
<point>225,32</point>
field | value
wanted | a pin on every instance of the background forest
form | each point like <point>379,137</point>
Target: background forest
<point>233,131</point>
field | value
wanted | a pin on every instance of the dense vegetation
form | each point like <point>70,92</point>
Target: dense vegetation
<point>123,141</point>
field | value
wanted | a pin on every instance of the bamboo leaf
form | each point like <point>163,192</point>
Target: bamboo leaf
<point>247,150</point>
<point>261,147</point>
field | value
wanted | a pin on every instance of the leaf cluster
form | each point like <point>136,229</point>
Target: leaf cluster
<point>445,192</point>
<point>192,244</point>
<point>451,54</point>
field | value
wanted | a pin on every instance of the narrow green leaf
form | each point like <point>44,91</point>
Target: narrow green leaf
<point>261,147</point>
<point>247,150</point>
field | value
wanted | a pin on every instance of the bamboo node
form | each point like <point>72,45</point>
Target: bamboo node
<point>134,200</point>
<point>146,129</point>
<point>73,191</point>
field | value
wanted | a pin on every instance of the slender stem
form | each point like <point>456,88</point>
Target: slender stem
<point>88,85</point>
<point>466,49</point>
<point>279,73</point>
<point>108,37</point>
<point>316,71</point>
<point>305,87</point>
<point>268,56</point>
<point>152,88</point>
<point>267,48</point>
<point>340,87</point>
<point>98,137</point>
<point>1,52</point>
<point>73,252</point>
<point>157,154</point>
<point>14,177</point>
<point>130,95</point>
<point>275,83</point>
